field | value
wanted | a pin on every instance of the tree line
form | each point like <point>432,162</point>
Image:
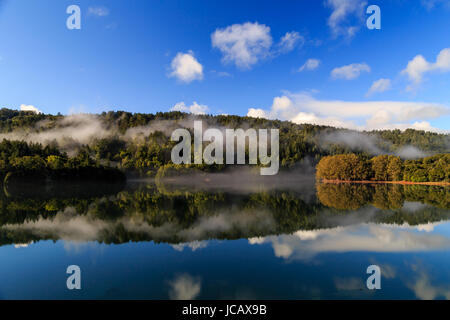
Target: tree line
<point>353,167</point>
<point>30,162</point>
<point>151,152</point>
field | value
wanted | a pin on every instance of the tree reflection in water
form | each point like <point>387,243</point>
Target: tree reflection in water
<point>177,214</point>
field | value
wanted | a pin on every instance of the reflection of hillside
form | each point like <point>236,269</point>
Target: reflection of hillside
<point>149,213</point>
<point>345,196</point>
<point>61,189</point>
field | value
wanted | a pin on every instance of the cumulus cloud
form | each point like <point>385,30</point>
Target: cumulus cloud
<point>419,66</point>
<point>31,108</point>
<point>257,113</point>
<point>194,108</point>
<point>243,44</point>
<point>248,43</point>
<point>284,108</point>
<point>347,16</point>
<point>184,287</point>
<point>290,40</point>
<point>367,115</point>
<point>350,72</point>
<point>186,68</point>
<point>310,64</point>
<point>98,11</point>
<point>379,86</point>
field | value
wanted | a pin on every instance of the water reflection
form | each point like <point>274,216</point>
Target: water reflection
<point>364,237</point>
<point>384,196</point>
<point>164,213</point>
<point>203,240</point>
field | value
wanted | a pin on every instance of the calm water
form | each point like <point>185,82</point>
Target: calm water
<point>201,239</point>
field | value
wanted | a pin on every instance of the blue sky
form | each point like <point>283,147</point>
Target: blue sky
<point>232,57</point>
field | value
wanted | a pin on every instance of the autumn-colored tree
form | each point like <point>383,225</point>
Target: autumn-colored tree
<point>384,168</point>
<point>379,167</point>
<point>343,167</point>
<point>394,168</point>
<point>325,169</point>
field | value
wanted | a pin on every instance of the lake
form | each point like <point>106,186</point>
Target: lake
<point>212,238</point>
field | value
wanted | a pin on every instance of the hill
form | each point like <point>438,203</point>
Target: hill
<point>139,144</point>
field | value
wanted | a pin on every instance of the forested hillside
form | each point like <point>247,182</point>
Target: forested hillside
<point>140,144</point>
<point>25,162</point>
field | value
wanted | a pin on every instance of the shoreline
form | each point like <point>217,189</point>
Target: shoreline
<point>386,182</point>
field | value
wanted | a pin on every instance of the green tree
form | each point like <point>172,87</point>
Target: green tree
<point>55,162</point>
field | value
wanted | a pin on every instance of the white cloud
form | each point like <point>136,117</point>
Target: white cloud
<point>380,85</point>
<point>343,11</point>
<point>184,287</point>
<point>430,4</point>
<point>257,113</point>
<point>418,66</point>
<point>248,43</point>
<point>310,64</point>
<point>289,41</point>
<point>98,11</point>
<point>221,74</point>
<point>195,108</point>
<point>31,108</point>
<point>350,72</point>
<point>243,44</point>
<point>186,68</point>
<point>369,115</point>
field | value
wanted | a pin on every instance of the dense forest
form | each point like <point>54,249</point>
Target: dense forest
<point>139,144</point>
<point>30,162</point>
<point>354,167</point>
